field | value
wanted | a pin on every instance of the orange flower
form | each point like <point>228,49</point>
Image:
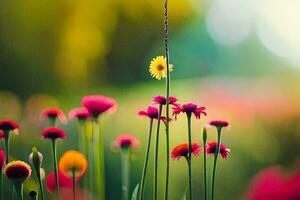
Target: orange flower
<point>73,161</point>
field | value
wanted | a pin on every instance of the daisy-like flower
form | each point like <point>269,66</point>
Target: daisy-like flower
<point>73,161</point>
<point>8,125</point>
<point>151,112</point>
<point>96,104</point>
<point>211,149</point>
<point>189,108</point>
<point>17,171</point>
<point>64,181</point>
<point>2,159</point>
<point>182,150</point>
<point>126,141</point>
<point>53,114</point>
<point>53,133</point>
<point>161,100</point>
<point>158,67</point>
<point>79,113</point>
<point>219,123</point>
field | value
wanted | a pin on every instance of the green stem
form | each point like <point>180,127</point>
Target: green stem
<point>87,154</point>
<point>1,185</point>
<point>73,184</point>
<point>205,175</point>
<point>41,187</point>
<point>156,152</point>
<point>19,190</point>
<point>215,165</point>
<point>167,164</point>
<point>6,141</point>
<point>125,173</point>
<point>190,154</point>
<point>143,179</point>
<point>54,152</point>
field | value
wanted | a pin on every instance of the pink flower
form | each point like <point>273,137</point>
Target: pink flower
<point>126,141</point>
<point>2,159</point>
<point>63,181</point>
<point>1,134</point>
<point>151,112</point>
<point>189,108</point>
<point>272,184</point>
<point>211,149</point>
<point>53,113</point>
<point>8,125</point>
<point>79,113</point>
<point>97,104</point>
<point>163,100</point>
<point>219,123</point>
<point>53,133</point>
<point>182,150</point>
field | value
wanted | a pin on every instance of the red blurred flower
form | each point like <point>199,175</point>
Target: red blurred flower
<point>272,184</point>
<point>1,134</point>
<point>8,125</point>
<point>2,159</point>
<point>97,104</point>
<point>219,123</point>
<point>53,133</point>
<point>182,150</point>
<point>53,113</point>
<point>211,149</point>
<point>66,193</point>
<point>126,141</point>
<point>163,100</point>
<point>189,108</point>
<point>79,113</point>
<point>63,181</point>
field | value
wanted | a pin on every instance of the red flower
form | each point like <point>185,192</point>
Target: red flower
<point>2,159</point>
<point>53,133</point>
<point>79,113</point>
<point>189,108</point>
<point>272,184</point>
<point>219,123</point>
<point>17,170</point>
<point>152,113</point>
<point>182,150</point>
<point>97,104</point>
<point>8,125</point>
<point>53,113</point>
<point>63,181</point>
<point>211,149</point>
<point>163,100</point>
<point>126,141</point>
<point>1,134</point>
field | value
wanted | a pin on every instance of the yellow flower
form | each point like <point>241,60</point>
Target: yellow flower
<point>158,67</point>
<point>73,161</point>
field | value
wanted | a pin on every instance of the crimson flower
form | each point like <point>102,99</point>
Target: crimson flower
<point>189,108</point>
<point>53,133</point>
<point>182,150</point>
<point>126,141</point>
<point>97,104</point>
<point>2,159</point>
<point>53,113</point>
<point>17,170</point>
<point>1,134</point>
<point>8,125</point>
<point>163,100</point>
<point>79,113</point>
<point>219,123</point>
<point>63,181</point>
<point>211,149</point>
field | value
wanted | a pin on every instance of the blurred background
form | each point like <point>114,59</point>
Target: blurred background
<point>239,58</point>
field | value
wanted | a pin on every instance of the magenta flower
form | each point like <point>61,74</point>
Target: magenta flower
<point>79,113</point>
<point>97,104</point>
<point>189,108</point>
<point>219,123</point>
<point>1,134</point>
<point>211,149</point>
<point>64,181</point>
<point>2,159</point>
<point>151,112</point>
<point>53,114</point>
<point>8,125</point>
<point>163,100</point>
<point>126,141</point>
<point>53,133</point>
<point>182,150</point>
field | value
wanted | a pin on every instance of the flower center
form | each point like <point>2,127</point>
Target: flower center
<point>160,67</point>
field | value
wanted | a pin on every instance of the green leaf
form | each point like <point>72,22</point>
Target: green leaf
<point>185,195</point>
<point>135,192</point>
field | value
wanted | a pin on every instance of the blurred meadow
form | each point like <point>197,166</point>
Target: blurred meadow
<point>239,58</point>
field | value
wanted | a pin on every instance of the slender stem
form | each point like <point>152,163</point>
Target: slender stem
<point>1,185</point>
<point>125,173</point>
<point>54,152</point>
<point>190,154</point>
<point>167,94</point>
<point>215,165</point>
<point>19,190</point>
<point>73,184</point>
<point>143,179</point>
<point>205,175</point>
<point>41,187</point>
<point>6,141</point>
<point>156,152</point>
<point>86,152</point>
